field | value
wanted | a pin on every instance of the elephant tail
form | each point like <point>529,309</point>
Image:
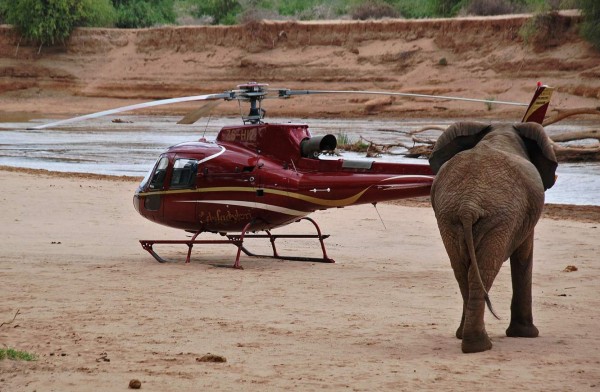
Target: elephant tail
<point>468,230</point>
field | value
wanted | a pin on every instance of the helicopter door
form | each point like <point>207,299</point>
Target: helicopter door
<point>181,204</point>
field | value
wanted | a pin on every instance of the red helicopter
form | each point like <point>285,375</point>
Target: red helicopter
<point>260,176</point>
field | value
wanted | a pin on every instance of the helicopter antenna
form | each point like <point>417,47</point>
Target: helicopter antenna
<point>380,218</point>
<point>294,166</point>
<point>206,126</point>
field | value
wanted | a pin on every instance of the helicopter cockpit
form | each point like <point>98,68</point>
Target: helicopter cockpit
<point>183,174</point>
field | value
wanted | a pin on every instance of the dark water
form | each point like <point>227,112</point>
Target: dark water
<point>103,147</point>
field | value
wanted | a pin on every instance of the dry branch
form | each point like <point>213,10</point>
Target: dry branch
<point>576,154</point>
<point>427,128</point>
<point>580,135</point>
<point>562,114</point>
<point>13,319</point>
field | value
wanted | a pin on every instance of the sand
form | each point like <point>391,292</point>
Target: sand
<point>98,311</point>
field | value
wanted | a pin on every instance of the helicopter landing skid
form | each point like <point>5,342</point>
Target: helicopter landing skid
<point>238,241</point>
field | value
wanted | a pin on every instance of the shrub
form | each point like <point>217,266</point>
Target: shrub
<point>447,7</point>
<point>222,11</point>
<point>543,30</point>
<point>373,9</point>
<point>144,13</point>
<point>98,13</point>
<point>590,28</point>
<point>44,22</point>
<point>493,7</point>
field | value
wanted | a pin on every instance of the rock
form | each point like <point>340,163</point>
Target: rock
<point>211,358</point>
<point>135,384</point>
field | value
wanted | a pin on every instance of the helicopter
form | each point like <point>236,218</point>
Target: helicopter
<point>259,176</point>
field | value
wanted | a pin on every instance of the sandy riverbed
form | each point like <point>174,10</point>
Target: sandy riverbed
<point>98,311</point>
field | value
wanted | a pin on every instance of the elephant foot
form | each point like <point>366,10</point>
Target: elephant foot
<point>476,343</point>
<point>459,332</point>
<point>516,330</point>
<point>461,327</point>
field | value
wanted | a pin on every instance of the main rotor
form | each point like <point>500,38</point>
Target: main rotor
<point>254,93</point>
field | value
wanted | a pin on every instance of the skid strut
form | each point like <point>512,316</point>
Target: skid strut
<point>238,241</point>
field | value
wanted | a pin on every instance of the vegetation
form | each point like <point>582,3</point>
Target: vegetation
<point>143,13</point>
<point>46,22</point>
<point>9,353</point>
<point>52,21</point>
<point>591,25</point>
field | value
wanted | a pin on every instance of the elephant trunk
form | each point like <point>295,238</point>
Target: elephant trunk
<point>468,231</point>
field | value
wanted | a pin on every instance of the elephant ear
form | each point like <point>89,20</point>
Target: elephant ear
<point>541,153</point>
<point>458,137</point>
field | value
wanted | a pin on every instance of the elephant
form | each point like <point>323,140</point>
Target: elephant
<point>487,196</point>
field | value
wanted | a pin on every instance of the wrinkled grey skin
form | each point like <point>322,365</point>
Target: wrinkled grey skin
<point>488,196</point>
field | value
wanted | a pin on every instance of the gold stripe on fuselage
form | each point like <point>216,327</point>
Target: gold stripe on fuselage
<point>310,199</point>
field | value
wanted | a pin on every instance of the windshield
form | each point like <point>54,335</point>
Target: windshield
<point>157,173</point>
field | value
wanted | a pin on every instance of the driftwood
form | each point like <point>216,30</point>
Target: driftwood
<point>580,135</point>
<point>427,128</point>
<point>422,147</point>
<point>575,153</point>
<point>562,114</point>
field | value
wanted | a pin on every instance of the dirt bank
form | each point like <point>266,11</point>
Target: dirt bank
<point>485,57</point>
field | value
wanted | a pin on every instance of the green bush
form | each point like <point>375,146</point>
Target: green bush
<point>447,8</point>
<point>373,9</point>
<point>144,13</point>
<point>416,8</point>
<point>221,11</point>
<point>590,28</point>
<point>49,22</point>
<point>44,22</point>
<point>99,13</point>
<point>493,7</point>
<point>295,7</point>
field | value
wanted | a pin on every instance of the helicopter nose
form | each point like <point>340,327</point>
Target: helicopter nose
<point>136,201</point>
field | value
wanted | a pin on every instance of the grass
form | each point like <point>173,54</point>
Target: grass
<point>489,105</point>
<point>11,353</point>
<point>345,142</point>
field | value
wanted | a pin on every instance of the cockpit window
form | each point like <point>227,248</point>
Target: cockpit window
<point>184,173</point>
<point>158,177</point>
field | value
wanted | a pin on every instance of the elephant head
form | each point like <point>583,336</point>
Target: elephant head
<point>465,135</point>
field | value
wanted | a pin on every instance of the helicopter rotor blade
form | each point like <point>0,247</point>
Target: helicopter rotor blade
<point>194,116</point>
<point>225,95</point>
<point>285,93</point>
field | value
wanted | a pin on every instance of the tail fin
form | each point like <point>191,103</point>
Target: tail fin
<point>536,111</point>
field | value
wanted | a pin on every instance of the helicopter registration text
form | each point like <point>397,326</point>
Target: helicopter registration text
<point>239,135</point>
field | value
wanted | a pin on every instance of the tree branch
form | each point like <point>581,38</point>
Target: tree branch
<point>13,319</point>
<point>562,114</point>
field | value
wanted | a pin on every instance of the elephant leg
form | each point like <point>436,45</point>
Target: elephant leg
<point>461,275</point>
<point>489,257</point>
<point>475,338</point>
<point>521,316</point>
